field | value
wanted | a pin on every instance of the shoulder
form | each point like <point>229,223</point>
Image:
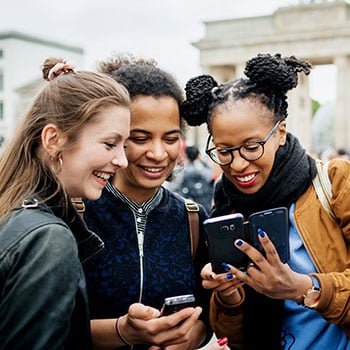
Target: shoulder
<point>34,226</point>
<point>177,200</point>
<point>339,176</point>
<point>338,169</point>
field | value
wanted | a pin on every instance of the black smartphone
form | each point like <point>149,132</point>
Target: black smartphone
<point>176,303</point>
<point>222,231</point>
<point>276,224</point>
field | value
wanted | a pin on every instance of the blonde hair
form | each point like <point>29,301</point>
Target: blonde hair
<point>70,101</point>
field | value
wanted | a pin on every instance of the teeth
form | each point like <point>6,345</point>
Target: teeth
<point>101,175</point>
<point>245,178</point>
<point>153,170</point>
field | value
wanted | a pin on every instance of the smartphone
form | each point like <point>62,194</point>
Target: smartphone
<point>222,231</point>
<point>275,223</point>
<point>176,303</point>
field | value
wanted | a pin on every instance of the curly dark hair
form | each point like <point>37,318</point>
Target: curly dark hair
<point>141,76</point>
<point>269,78</point>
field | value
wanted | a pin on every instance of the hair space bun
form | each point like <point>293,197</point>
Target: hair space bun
<point>276,73</point>
<point>198,98</point>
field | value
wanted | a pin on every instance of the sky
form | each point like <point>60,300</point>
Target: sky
<point>160,29</point>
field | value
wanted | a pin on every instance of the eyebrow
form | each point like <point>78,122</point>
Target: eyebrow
<point>174,131</point>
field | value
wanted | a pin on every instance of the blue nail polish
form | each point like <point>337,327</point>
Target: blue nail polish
<point>261,232</point>
<point>229,276</point>
<point>239,243</point>
<point>226,267</point>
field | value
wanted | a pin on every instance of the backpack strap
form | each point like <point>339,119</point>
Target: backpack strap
<point>193,219</point>
<point>323,187</point>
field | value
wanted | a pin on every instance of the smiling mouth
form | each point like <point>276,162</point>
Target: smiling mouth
<point>153,170</point>
<point>244,179</point>
<point>103,176</point>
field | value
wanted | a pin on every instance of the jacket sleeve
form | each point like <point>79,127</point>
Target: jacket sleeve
<point>227,320</point>
<point>41,274</point>
<point>334,304</point>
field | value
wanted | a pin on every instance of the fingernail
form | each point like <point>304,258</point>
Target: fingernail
<point>222,341</point>
<point>229,276</point>
<point>211,276</point>
<point>239,243</point>
<point>261,232</point>
<point>226,267</point>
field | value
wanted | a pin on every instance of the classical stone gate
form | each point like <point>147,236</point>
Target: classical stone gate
<point>318,32</point>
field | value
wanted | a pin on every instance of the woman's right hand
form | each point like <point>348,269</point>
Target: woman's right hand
<point>225,284</point>
<point>143,325</point>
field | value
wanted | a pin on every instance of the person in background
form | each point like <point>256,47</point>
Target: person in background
<point>196,181</point>
<point>343,154</point>
<point>302,304</point>
<point>69,143</point>
<point>145,227</point>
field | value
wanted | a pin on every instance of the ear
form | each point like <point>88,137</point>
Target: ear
<point>282,133</point>
<point>51,139</point>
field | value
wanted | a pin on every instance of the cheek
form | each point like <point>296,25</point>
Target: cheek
<point>133,152</point>
<point>174,152</point>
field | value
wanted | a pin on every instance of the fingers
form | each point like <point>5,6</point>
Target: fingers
<point>175,328</point>
<point>255,256</point>
<point>143,312</point>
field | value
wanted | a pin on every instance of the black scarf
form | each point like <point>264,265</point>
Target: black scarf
<point>291,175</point>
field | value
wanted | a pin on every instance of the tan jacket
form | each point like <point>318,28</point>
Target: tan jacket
<point>328,244</point>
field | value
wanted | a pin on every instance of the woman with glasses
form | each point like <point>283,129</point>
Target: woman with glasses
<point>304,303</point>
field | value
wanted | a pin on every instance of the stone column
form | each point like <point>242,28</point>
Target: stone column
<point>341,122</point>
<point>300,112</point>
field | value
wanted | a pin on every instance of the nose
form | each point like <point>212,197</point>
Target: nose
<point>157,151</point>
<point>119,158</point>
<point>238,163</point>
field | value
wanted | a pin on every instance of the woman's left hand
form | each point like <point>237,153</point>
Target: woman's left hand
<point>269,275</point>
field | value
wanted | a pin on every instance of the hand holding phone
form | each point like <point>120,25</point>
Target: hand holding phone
<point>222,231</point>
<point>275,223</point>
<point>177,303</point>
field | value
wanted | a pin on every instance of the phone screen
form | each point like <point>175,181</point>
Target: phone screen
<point>275,223</point>
<point>222,231</point>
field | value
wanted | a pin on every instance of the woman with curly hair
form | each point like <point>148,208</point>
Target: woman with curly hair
<point>145,227</point>
<point>304,303</point>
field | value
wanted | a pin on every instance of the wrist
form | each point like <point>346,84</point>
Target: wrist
<point>120,332</point>
<point>230,299</point>
<point>312,295</point>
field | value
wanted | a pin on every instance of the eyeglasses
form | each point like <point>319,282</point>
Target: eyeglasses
<point>249,150</point>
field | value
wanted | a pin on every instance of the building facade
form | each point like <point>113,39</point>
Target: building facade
<point>318,32</point>
<point>21,57</point>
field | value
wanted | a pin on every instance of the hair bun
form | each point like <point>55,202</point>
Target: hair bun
<point>198,97</point>
<point>274,72</point>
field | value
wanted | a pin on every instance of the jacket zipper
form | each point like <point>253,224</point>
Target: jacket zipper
<point>140,239</point>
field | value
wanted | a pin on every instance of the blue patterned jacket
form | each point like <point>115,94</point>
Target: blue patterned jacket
<point>116,277</point>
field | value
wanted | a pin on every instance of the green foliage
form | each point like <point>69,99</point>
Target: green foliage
<point>315,106</point>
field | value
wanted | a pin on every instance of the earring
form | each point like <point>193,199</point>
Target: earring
<point>57,163</point>
<point>179,167</point>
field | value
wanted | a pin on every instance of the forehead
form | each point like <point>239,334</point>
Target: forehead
<point>241,121</point>
<point>113,119</point>
<point>154,113</point>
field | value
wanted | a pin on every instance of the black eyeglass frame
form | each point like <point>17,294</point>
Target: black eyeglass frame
<point>238,148</point>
